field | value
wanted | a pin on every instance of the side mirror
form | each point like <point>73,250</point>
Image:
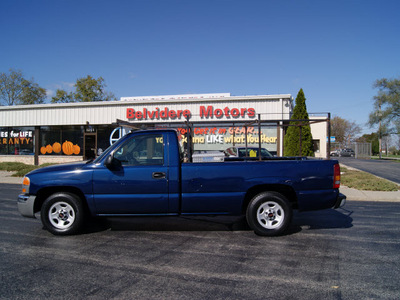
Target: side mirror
<point>112,163</point>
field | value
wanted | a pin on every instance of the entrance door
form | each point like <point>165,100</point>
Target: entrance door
<point>89,146</point>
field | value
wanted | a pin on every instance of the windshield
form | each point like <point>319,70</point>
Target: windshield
<point>106,152</point>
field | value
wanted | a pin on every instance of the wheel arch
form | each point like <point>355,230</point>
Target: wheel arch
<point>285,190</point>
<point>44,193</point>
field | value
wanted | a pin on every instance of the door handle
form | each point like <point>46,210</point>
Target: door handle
<point>158,175</point>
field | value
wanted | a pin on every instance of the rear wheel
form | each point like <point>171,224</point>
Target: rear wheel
<point>269,214</point>
<point>62,214</point>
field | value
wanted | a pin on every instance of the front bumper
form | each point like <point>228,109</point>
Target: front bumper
<point>26,205</point>
<point>341,201</point>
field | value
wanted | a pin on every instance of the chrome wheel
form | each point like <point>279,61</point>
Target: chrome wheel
<point>61,215</point>
<point>270,215</point>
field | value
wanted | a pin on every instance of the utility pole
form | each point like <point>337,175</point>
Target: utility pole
<point>328,144</point>
<point>380,131</point>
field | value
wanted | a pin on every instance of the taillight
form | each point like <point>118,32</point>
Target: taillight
<point>336,176</point>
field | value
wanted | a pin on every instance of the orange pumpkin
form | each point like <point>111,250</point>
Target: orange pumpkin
<point>77,149</point>
<point>43,150</point>
<point>68,148</point>
<point>49,148</point>
<point>56,147</point>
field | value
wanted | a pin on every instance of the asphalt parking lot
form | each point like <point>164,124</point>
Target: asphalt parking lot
<point>350,253</point>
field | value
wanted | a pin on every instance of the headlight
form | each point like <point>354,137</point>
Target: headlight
<point>25,185</point>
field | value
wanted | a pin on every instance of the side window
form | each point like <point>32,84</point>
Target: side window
<point>142,150</point>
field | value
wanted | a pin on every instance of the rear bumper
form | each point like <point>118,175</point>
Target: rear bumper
<point>25,205</point>
<point>341,201</point>
<point>320,199</point>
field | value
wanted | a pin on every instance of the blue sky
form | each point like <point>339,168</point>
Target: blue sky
<point>334,50</point>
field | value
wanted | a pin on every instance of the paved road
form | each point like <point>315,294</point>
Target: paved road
<point>383,168</point>
<point>331,254</point>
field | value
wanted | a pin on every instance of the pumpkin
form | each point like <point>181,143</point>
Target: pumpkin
<point>76,149</point>
<point>67,147</point>
<point>56,147</point>
<point>43,150</point>
<point>49,148</point>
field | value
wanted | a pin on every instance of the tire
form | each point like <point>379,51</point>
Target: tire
<point>269,214</point>
<point>62,214</point>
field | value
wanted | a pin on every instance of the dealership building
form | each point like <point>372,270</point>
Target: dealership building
<point>37,134</point>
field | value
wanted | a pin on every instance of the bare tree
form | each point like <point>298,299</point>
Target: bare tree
<point>387,106</point>
<point>15,89</point>
<point>11,87</point>
<point>345,131</point>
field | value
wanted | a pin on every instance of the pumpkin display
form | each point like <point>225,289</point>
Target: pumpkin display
<point>57,147</point>
<point>49,149</point>
<point>68,148</point>
<point>76,149</point>
<point>43,150</point>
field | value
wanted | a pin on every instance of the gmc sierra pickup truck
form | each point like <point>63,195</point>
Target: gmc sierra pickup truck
<point>144,174</point>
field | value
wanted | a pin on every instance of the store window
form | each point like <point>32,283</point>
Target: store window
<point>69,140</point>
<point>65,140</point>
<point>103,137</point>
<point>214,137</point>
<point>17,140</point>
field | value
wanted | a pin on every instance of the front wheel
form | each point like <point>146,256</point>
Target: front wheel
<point>269,214</point>
<point>62,214</point>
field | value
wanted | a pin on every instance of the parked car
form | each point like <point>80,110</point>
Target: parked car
<point>25,152</point>
<point>240,151</point>
<point>335,152</point>
<point>347,152</point>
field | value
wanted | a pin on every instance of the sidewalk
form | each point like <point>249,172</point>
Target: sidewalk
<point>5,177</point>
<point>356,195</point>
<point>351,194</point>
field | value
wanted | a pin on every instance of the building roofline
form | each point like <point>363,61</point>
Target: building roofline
<point>143,102</point>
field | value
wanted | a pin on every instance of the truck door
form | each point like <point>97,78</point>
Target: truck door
<point>140,185</point>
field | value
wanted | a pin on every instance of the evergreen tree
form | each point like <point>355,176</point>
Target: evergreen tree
<point>292,138</point>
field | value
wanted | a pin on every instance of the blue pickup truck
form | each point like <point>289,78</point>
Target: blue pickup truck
<point>144,174</point>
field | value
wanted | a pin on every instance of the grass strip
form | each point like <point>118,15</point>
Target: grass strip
<point>365,181</point>
<point>19,168</point>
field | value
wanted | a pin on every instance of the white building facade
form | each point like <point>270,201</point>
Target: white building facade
<point>74,131</point>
